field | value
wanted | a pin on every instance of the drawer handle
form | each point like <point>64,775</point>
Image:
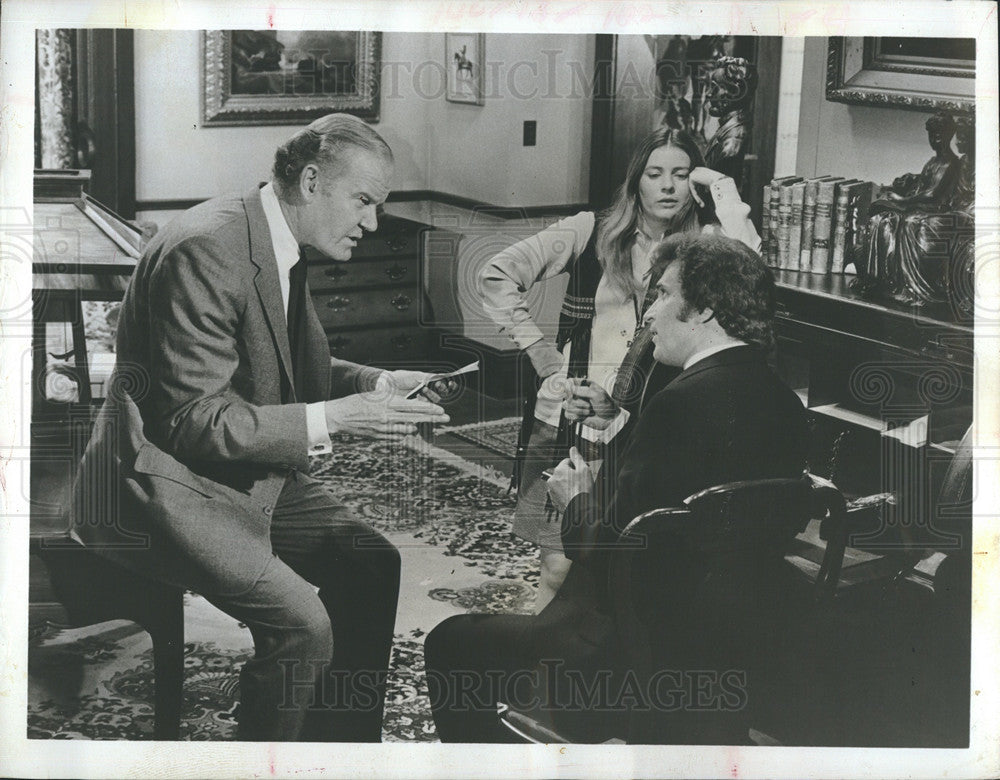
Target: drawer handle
<point>338,303</point>
<point>335,271</point>
<point>399,343</point>
<point>396,243</point>
<point>401,302</point>
<point>395,272</point>
<point>338,343</point>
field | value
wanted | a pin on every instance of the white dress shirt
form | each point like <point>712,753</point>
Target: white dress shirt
<point>286,252</point>
<point>704,353</point>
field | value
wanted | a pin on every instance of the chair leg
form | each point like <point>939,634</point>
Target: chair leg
<point>168,669</point>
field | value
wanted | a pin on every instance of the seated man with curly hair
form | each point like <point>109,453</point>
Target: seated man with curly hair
<point>725,417</point>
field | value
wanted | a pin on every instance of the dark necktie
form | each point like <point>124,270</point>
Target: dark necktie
<point>296,322</point>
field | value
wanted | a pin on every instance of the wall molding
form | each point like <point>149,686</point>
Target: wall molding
<point>403,196</point>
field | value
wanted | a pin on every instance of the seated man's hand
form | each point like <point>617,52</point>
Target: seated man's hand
<point>591,404</point>
<point>380,414</point>
<point>570,478</point>
<point>401,383</point>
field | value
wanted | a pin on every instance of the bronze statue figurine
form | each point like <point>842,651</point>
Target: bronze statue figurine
<point>732,84</point>
<point>915,224</point>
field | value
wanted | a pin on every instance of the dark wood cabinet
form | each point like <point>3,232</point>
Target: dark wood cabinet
<point>373,307</point>
<point>889,391</point>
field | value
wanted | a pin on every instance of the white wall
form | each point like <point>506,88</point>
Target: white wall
<point>865,142</point>
<point>464,150</point>
<point>177,158</point>
<point>477,151</point>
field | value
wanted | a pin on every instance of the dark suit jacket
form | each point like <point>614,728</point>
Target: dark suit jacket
<point>726,418</point>
<point>202,423</point>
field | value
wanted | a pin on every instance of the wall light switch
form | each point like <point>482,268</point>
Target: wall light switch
<point>530,128</point>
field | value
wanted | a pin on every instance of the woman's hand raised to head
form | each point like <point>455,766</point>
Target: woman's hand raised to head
<point>703,177</point>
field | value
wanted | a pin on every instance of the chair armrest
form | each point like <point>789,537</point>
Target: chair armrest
<point>527,728</point>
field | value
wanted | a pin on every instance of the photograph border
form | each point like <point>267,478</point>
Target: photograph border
<point>50,758</point>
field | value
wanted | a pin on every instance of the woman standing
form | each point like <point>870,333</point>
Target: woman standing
<point>600,336</point>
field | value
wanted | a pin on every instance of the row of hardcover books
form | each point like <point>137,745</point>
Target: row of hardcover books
<point>817,225</point>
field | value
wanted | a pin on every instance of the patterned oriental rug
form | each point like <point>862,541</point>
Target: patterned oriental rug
<point>449,517</point>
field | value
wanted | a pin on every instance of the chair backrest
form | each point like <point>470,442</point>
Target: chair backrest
<point>703,589</point>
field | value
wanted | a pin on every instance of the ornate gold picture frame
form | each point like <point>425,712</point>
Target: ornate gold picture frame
<point>280,77</point>
<point>922,74</point>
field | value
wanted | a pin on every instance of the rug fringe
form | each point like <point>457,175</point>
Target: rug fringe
<point>485,472</point>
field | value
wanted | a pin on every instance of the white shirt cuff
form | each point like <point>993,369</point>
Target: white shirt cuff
<point>319,437</point>
<point>603,437</point>
<point>525,333</point>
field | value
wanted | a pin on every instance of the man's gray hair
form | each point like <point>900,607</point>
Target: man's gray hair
<point>324,142</point>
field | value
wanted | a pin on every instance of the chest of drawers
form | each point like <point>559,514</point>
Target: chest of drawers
<point>373,307</point>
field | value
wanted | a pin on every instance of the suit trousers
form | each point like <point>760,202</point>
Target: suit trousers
<point>556,666</point>
<point>320,658</point>
<point>473,662</point>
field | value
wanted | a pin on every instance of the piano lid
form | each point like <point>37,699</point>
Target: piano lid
<point>77,235</point>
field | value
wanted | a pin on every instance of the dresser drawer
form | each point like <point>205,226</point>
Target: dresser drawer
<point>380,345</point>
<point>388,306</point>
<point>389,241</point>
<point>374,273</point>
<point>394,238</point>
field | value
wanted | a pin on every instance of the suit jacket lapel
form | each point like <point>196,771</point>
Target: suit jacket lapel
<point>266,279</point>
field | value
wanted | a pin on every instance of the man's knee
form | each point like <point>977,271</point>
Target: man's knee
<point>377,554</point>
<point>443,645</point>
<point>312,634</point>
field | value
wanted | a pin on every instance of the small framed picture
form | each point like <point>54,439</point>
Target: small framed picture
<point>464,58</point>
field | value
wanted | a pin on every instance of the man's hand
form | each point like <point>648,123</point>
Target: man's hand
<point>591,404</point>
<point>380,414</point>
<point>544,357</point>
<point>400,383</point>
<point>570,478</point>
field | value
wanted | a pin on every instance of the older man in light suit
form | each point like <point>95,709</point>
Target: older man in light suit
<point>197,472</point>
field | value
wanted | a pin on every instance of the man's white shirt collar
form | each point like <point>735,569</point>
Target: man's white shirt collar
<point>286,248</point>
<point>711,351</point>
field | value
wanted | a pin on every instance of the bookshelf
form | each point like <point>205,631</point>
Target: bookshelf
<point>888,387</point>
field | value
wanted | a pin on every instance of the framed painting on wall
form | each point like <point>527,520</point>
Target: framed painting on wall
<point>922,74</point>
<point>464,58</point>
<point>271,77</point>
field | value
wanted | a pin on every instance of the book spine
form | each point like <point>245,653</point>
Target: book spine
<point>784,224</point>
<point>858,212</point>
<point>808,223</point>
<point>839,230</point>
<point>819,263</point>
<point>795,225</point>
<point>772,250</point>
<point>765,224</point>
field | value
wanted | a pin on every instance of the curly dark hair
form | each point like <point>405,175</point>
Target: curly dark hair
<point>324,142</point>
<point>726,276</point>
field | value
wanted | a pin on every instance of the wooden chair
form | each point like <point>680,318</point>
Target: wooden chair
<point>94,590</point>
<point>702,591</point>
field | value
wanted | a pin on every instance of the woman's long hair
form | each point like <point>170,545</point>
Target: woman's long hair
<point>617,225</point>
